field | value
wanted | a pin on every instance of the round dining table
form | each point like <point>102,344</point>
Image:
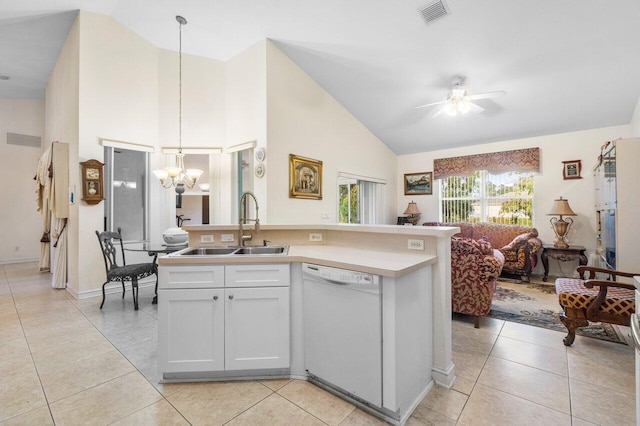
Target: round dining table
<point>153,248</point>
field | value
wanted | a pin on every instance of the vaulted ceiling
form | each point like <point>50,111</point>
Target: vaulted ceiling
<point>566,66</point>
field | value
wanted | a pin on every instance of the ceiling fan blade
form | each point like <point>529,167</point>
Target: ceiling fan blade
<point>475,108</point>
<point>438,112</point>
<point>431,104</point>
<point>487,95</point>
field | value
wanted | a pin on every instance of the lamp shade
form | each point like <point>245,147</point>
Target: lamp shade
<point>561,208</point>
<point>412,208</point>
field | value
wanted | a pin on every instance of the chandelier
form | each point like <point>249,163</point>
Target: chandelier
<point>177,176</point>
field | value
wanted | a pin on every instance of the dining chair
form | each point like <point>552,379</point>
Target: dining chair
<point>124,272</point>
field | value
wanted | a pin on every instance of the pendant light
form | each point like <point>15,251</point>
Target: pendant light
<point>178,176</point>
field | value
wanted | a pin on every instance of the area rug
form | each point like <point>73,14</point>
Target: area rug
<point>536,303</point>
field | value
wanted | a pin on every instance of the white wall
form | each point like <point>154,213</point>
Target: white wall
<point>548,184</point>
<point>20,224</point>
<point>303,119</point>
<point>635,120</point>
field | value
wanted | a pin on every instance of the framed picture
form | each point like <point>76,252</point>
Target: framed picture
<point>418,183</point>
<point>571,169</point>
<point>305,178</point>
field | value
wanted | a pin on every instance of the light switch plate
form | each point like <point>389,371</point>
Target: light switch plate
<point>227,238</point>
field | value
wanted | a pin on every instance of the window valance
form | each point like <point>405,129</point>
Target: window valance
<point>519,160</point>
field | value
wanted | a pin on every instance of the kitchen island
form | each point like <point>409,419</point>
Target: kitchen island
<point>261,308</point>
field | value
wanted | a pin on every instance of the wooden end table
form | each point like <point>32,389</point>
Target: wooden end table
<point>561,255</point>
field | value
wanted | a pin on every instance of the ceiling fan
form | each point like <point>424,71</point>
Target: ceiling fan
<point>459,101</point>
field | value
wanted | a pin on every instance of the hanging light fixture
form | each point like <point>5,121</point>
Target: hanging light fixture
<point>177,176</point>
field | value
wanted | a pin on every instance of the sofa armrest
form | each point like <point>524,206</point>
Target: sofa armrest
<point>491,268</point>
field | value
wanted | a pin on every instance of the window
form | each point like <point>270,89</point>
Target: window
<point>484,197</point>
<point>359,199</point>
<point>126,189</point>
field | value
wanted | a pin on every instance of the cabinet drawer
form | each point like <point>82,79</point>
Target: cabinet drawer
<point>192,276</point>
<point>258,275</point>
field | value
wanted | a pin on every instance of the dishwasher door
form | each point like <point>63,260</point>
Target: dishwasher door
<point>343,330</point>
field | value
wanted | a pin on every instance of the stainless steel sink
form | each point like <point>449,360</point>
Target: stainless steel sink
<point>253,250</point>
<point>233,251</point>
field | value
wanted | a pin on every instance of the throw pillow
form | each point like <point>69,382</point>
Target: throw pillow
<point>518,241</point>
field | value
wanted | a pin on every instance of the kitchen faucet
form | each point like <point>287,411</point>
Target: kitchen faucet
<point>242,218</point>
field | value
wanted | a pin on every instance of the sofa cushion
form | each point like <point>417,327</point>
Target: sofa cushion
<point>500,235</point>
<point>466,228</point>
<point>517,241</point>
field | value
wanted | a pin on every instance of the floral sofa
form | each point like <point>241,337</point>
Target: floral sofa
<point>519,244</point>
<point>475,266</point>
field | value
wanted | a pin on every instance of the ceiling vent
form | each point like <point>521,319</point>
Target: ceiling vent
<point>434,10</point>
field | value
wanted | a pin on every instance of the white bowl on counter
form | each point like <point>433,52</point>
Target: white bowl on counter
<point>175,236</point>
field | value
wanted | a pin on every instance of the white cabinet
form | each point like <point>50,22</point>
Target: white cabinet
<point>191,330</point>
<point>256,328</point>
<point>217,317</point>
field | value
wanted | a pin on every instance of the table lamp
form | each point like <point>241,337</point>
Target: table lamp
<point>413,212</point>
<point>561,226</point>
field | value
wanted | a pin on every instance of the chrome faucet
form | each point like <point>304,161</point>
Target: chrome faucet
<point>242,218</point>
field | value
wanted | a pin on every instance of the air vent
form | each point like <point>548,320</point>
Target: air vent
<point>434,10</point>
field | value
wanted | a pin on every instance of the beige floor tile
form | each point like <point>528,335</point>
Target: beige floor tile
<point>272,411</point>
<point>541,387</point>
<point>215,403</point>
<point>536,335</point>
<point>579,422</point>
<point>20,393</point>
<point>599,373</point>
<point>107,402</point>
<point>13,367</point>
<point>424,416</point>
<point>601,405</point>
<point>463,385</point>
<point>13,348</point>
<point>160,413</point>
<point>614,355</point>
<point>74,378</point>
<point>275,384</point>
<point>325,406</point>
<point>10,330</point>
<point>76,350</point>
<point>487,406</point>
<point>445,401</point>
<point>51,338</point>
<point>361,418</point>
<point>468,365</point>
<point>487,324</point>
<point>473,340</point>
<point>542,357</point>
<point>40,416</point>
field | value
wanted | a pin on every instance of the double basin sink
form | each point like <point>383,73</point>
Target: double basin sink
<point>233,251</point>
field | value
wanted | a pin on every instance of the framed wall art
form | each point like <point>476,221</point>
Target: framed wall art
<point>571,169</point>
<point>305,178</point>
<point>418,183</point>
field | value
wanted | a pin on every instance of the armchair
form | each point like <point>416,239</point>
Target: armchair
<point>610,301</point>
<point>475,266</point>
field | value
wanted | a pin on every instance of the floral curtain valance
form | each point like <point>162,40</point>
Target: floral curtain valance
<point>519,160</point>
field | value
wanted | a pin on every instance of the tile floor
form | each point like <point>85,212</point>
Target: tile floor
<point>64,361</point>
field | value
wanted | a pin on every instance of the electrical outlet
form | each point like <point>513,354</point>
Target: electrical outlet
<point>227,238</point>
<point>324,216</point>
<point>206,238</point>
<point>315,237</point>
<point>415,244</point>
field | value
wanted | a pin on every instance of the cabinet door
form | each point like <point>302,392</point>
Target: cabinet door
<point>190,330</point>
<point>257,328</point>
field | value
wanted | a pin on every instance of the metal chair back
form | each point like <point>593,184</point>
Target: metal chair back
<point>109,250</point>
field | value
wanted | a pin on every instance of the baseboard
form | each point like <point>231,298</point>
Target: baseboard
<point>114,287</point>
<point>22,260</point>
<point>444,377</point>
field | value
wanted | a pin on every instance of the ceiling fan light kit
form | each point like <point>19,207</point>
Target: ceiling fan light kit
<point>459,100</point>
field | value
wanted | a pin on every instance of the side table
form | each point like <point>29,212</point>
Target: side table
<point>561,255</point>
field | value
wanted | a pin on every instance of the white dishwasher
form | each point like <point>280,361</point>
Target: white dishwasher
<point>343,330</point>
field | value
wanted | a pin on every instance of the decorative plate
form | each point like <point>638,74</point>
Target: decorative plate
<point>259,170</point>
<point>260,154</point>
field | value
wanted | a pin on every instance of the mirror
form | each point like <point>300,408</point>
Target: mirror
<point>194,204</point>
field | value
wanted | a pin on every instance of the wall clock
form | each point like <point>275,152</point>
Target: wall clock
<point>92,182</point>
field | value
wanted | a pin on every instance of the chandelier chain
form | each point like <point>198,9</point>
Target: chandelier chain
<point>180,90</point>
